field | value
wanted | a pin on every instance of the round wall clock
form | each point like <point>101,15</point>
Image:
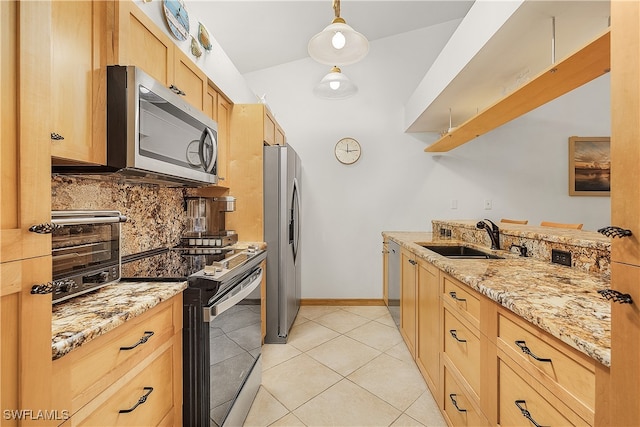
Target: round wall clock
<point>177,18</point>
<point>348,151</point>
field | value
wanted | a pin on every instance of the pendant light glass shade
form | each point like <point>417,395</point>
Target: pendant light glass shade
<point>335,85</point>
<point>338,44</point>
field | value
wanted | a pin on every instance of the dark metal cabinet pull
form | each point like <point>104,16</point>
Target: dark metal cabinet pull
<point>177,90</point>
<point>455,296</point>
<point>454,334</point>
<point>46,228</point>
<point>51,287</point>
<point>56,136</point>
<point>525,350</point>
<point>616,296</point>
<point>412,262</point>
<point>140,401</point>
<point>613,231</point>
<point>453,396</point>
<point>526,413</point>
<point>144,339</point>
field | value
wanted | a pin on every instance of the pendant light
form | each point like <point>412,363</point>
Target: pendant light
<point>335,85</point>
<point>338,44</point>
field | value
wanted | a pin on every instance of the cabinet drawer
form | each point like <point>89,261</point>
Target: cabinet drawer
<point>463,298</point>
<point>155,381</point>
<point>559,369</point>
<point>96,359</point>
<point>458,407</point>
<point>517,396</point>
<point>462,347</point>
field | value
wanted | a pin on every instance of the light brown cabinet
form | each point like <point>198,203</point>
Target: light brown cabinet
<point>408,300</point>
<point>25,331</point>
<point>624,387</point>
<point>224,140</point>
<point>420,314</point>
<point>428,299</point>
<point>245,168</point>
<point>518,393</point>
<point>138,41</point>
<point>560,373</point>
<point>78,81</point>
<point>477,357</point>
<point>99,380</point>
<point>87,36</point>
<point>459,407</point>
<point>273,133</point>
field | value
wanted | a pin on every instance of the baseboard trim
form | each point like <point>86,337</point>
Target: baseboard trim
<point>354,301</point>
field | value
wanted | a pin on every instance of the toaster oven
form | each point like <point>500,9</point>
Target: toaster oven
<point>85,249</point>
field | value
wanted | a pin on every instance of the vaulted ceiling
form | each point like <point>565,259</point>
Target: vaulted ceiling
<point>259,34</point>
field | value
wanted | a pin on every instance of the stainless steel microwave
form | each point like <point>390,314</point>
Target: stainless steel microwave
<point>153,134</point>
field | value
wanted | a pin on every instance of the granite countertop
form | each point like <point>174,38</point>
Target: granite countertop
<point>86,317</point>
<point>560,300</point>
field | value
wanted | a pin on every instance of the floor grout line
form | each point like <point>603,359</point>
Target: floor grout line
<point>317,321</point>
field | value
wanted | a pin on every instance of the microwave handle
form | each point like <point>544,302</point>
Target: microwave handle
<point>208,164</point>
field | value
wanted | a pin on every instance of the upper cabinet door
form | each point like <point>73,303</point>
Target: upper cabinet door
<point>269,128</point>
<point>224,140</point>
<point>25,186</point>
<point>78,77</point>
<point>140,42</point>
<point>190,79</point>
<point>25,142</point>
<point>625,130</point>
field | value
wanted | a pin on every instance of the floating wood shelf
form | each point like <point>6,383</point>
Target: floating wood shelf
<point>586,64</point>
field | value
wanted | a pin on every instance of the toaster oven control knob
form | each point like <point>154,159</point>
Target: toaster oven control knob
<point>96,278</point>
<point>67,285</point>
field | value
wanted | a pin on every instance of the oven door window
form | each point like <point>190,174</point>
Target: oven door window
<point>79,248</point>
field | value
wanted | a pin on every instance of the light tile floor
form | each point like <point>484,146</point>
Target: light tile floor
<point>342,366</point>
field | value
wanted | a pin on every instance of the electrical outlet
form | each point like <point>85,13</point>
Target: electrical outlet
<point>487,204</point>
<point>561,257</point>
<point>454,204</point>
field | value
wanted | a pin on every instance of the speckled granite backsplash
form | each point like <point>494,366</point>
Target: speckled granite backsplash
<point>156,216</point>
<point>590,251</point>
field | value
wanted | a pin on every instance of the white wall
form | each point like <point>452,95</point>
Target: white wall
<point>522,166</point>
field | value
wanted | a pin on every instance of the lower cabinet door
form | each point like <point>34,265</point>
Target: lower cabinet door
<point>145,400</point>
<point>459,408</point>
<point>462,347</point>
<point>521,405</point>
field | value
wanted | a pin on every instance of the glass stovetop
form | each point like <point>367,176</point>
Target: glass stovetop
<point>168,264</point>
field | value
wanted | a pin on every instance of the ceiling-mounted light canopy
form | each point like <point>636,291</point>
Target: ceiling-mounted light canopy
<point>335,85</point>
<point>338,44</point>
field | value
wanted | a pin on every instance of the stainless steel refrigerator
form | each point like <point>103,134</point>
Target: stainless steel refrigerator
<point>282,172</point>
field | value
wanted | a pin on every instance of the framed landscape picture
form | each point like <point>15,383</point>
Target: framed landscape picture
<point>589,166</point>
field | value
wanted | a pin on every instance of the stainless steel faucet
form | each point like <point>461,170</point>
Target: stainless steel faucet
<point>493,230</point>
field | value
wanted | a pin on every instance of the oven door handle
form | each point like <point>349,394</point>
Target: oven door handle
<point>240,292</point>
<point>89,220</point>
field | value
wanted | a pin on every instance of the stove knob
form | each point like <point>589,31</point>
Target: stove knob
<point>252,249</point>
<point>66,285</point>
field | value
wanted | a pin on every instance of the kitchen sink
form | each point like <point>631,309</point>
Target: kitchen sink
<point>460,252</point>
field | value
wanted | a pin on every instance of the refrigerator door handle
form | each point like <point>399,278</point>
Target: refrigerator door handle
<point>294,235</point>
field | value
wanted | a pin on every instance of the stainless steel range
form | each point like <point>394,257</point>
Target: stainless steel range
<point>222,328</point>
<point>222,341</point>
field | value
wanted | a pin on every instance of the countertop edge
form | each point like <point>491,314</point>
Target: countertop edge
<point>119,305</point>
